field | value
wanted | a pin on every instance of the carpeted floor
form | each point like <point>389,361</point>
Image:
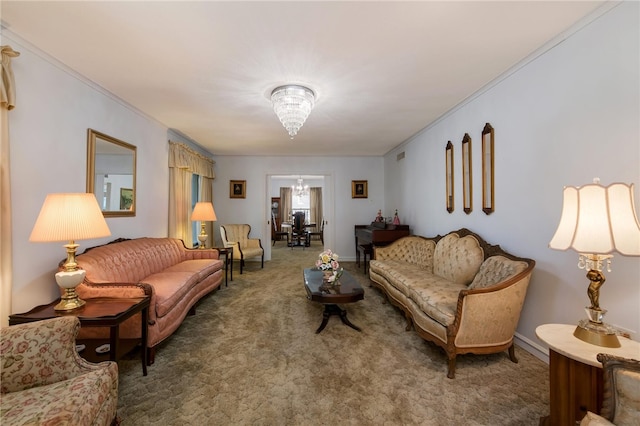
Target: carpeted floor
<point>250,356</point>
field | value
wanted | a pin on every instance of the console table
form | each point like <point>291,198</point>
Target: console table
<point>100,312</point>
<point>575,374</point>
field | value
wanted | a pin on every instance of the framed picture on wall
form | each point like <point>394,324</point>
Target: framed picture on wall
<point>126,198</point>
<point>359,189</point>
<point>237,189</point>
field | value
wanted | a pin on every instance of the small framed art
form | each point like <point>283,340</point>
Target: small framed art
<point>359,189</point>
<point>237,189</point>
<point>126,198</point>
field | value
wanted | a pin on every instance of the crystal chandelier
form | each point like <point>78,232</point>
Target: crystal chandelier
<point>292,104</point>
<point>300,190</point>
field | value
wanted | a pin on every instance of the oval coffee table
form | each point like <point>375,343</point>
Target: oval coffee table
<point>349,291</point>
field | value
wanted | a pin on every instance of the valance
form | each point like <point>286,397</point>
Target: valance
<point>7,87</point>
<point>183,157</point>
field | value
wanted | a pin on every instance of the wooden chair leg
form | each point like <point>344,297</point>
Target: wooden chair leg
<point>151,355</point>
<point>452,368</point>
<point>512,353</point>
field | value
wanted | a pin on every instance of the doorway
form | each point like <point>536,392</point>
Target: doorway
<point>273,183</point>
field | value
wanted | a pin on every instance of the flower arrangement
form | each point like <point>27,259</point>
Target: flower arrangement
<point>328,262</point>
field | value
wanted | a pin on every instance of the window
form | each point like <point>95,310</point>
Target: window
<point>195,191</point>
<point>301,203</point>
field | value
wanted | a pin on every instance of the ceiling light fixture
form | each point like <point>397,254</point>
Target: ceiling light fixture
<point>292,104</point>
<point>300,190</point>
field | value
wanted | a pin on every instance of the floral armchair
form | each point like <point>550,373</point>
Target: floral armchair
<point>45,381</point>
<point>237,236</point>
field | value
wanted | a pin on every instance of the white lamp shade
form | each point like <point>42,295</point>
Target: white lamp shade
<point>203,211</point>
<point>70,216</point>
<point>599,220</point>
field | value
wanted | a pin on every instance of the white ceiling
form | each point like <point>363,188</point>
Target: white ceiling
<point>382,70</point>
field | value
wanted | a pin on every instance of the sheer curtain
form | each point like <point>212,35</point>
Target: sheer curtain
<point>206,194</point>
<point>315,206</point>
<point>183,163</point>
<point>7,103</point>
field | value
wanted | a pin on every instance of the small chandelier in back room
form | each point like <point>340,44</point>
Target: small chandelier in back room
<point>300,190</point>
<point>292,104</point>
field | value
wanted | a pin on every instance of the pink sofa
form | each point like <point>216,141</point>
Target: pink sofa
<point>175,277</point>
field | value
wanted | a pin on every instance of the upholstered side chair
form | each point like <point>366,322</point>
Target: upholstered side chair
<point>237,236</point>
<point>621,393</point>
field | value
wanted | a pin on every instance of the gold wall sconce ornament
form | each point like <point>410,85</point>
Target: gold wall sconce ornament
<point>449,175</point>
<point>467,187</point>
<point>488,198</point>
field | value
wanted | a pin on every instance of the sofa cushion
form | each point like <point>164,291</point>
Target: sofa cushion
<point>413,249</point>
<point>250,252</point>
<point>400,274</point>
<point>130,260</point>
<point>202,267</point>
<point>457,259</point>
<point>170,288</point>
<point>497,269</point>
<point>437,297</point>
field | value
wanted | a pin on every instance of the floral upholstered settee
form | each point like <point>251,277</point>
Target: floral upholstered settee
<point>45,382</point>
<point>456,291</point>
<point>175,278</point>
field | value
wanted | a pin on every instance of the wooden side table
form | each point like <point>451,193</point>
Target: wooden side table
<point>100,312</point>
<point>575,374</point>
<point>228,262</point>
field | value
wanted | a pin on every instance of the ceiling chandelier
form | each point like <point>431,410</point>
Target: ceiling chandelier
<point>292,104</point>
<point>300,190</point>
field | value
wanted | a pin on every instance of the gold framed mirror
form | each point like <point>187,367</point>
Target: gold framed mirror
<point>467,189</point>
<point>111,174</point>
<point>449,175</point>
<point>487,169</point>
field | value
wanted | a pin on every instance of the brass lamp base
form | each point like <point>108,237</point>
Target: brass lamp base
<point>69,280</point>
<point>596,332</point>
<point>69,301</point>
<point>596,338</point>
<point>202,238</point>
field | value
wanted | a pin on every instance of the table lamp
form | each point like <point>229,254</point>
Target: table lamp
<point>203,211</point>
<point>69,217</point>
<point>595,221</point>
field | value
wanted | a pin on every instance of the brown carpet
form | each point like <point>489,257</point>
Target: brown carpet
<point>250,356</point>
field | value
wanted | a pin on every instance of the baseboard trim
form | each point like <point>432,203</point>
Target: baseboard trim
<point>532,347</point>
